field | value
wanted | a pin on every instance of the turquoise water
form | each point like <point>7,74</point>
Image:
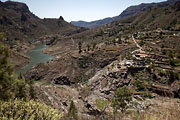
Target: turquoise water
<point>36,56</point>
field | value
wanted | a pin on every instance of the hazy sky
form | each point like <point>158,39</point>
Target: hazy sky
<point>87,10</point>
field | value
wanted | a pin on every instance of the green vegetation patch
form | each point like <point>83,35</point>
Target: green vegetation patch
<point>10,85</point>
<point>102,104</point>
<point>122,97</point>
<point>84,62</point>
<point>31,110</point>
<point>73,112</point>
<point>139,85</point>
<point>82,78</point>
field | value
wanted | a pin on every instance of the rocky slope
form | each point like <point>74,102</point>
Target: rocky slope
<point>123,56</point>
<point>92,76</point>
<point>130,11</point>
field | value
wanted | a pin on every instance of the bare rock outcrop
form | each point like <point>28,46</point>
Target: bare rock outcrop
<point>62,80</point>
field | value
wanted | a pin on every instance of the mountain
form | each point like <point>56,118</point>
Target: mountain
<point>93,23</point>
<point>130,11</point>
<point>19,23</point>
<point>166,17</point>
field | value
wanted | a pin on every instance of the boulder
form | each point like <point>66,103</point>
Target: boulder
<point>62,80</point>
<point>113,75</point>
<point>103,63</point>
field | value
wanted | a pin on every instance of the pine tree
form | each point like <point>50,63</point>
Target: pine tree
<point>80,47</point>
<point>6,74</point>
<point>88,47</point>
<point>73,112</point>
<point>32,91</point>
<point>10,86</point>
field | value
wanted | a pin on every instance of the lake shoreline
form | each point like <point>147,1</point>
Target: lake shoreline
<point>36,56</point>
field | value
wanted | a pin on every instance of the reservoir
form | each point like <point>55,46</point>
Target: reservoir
<point>36,56</point>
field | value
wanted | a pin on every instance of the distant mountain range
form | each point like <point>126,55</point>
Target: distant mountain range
<point>130,11</point>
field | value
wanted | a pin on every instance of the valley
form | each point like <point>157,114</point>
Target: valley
<point>139,67</point>
<point>128,68</point>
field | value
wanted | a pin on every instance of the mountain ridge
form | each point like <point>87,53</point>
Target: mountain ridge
<point>17,21</point>
<point>130,11</point>
<point>167,18</point>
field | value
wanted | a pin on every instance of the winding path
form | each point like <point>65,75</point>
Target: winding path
<point>140,48</point>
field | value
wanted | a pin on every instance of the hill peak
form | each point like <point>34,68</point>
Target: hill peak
<point>61,18</point>
<point>17,6</point>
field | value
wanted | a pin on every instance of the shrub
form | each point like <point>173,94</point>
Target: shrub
<point>73,112</point>
<point>178,54</point>
<point>172,62</point>
<point>147,95</point>
<point>171,54</point>
<point>82,78</point>
<point>84,62</point>
<point>141,43</point>
<point>122,97</point>
<point>88,47</point>
<point>139,85</point>
<point>80,47</point>
<point>150,68</point>
<point>102,104</point>
<point>172,76</point>
<point>31,110</point>
<point>32,91</point>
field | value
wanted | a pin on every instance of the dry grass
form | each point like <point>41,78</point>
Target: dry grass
<point>161,109</point>
<point>111,49</point>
